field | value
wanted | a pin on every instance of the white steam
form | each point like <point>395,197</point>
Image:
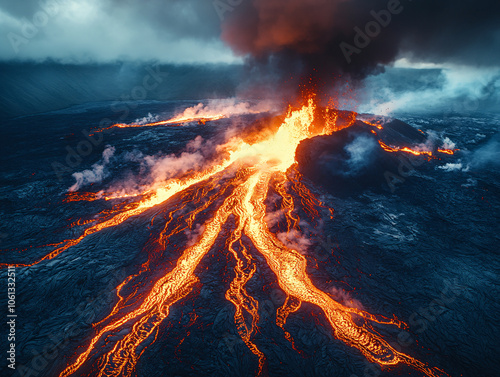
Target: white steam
<point>454,167</point>
<point>345,299</point>
<point>359,151</point>
<point>226,107</point>
<point>150,118</point>
<point>295,240</point>
<point>96,174</point>
<point>155,170</point>
<point>448,144</point>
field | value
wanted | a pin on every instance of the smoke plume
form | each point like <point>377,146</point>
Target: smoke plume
<point>325,39</point>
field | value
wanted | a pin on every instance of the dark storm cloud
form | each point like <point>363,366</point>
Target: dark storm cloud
<point>328,37</point>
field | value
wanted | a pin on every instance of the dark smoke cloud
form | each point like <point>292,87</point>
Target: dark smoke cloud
<point>304,36</point>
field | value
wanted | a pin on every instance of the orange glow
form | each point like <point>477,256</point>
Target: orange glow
<point>158,196</point>
<point>173,121</point>
<point>79,196</point>
<point>404,149</point>
<point>240,206</point>
<point>415,152</point>
<point>377,125</point>
<point>447,151</point>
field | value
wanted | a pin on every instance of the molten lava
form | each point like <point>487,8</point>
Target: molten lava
<point>416,152</point>
<point>170,122</point>
<point>237,188</point>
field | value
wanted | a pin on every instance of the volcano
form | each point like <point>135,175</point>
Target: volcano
<point>251,204</point>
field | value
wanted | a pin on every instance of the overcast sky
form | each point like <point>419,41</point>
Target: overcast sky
<point>81,31</point>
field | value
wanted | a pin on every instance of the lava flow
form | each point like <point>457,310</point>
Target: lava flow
<point>234,191</point>
<point>171,122</point>
<point>200,114</point>
<point>415,152</point>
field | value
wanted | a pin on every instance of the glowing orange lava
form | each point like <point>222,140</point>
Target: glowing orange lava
<point>416,152</point>
<point>173,121</point>
<point>447,151</point>
<point>240,205</point>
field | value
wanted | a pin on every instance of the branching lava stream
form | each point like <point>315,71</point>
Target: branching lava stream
<point>134,321</point>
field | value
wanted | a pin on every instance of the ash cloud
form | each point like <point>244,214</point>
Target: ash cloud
<point>303,37</point>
